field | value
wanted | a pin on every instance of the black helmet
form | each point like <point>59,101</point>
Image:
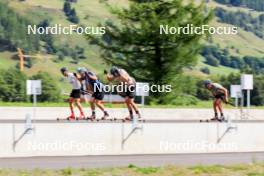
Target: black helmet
<point>63,69</point>
<point>114,71</point>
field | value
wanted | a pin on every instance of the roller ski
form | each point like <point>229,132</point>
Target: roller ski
<point>139,118</point>
<point>106,120</point>
<point>131,119</point>
<point>127,119</point>
<point>81,117</point>
<point>105,117</point>
<point>91,118</point>
<point>70,118</point>
<point>65,119</point>
<point>222,119</point>
<point>215,119</point>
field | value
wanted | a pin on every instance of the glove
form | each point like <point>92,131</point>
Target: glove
<point>105,72</point>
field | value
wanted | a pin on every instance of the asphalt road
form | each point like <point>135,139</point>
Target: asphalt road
<point>125,160</point>
<point>120,121</point>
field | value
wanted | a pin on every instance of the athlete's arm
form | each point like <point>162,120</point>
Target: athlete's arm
<point>110,77</point>
<point>124,75</point>
<point>78,77</point>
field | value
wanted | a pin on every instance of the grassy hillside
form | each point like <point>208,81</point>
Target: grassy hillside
<point>93,12</point>
<point>245,42</point>
<point>221,70</point>
<point>251,169</point>
<point>6,61</point>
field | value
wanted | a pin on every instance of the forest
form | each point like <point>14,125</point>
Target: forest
<point>253,4</point>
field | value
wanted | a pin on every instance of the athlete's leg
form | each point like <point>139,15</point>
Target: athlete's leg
<point>100,105</point>
<point>129,106</point>
<point>135,107</point>
<point>84,98</point>
<point>220,106</point>
<point>71,104</point>
<point>92,101</point>
<point>92,105</point>
<point>78,103</point>
<point>131,94</point>
<point>215,107</point>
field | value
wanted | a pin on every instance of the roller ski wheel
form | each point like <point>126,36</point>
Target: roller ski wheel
<point>105,117</point>
<point>222,119</point>
<point>207,120</point>
<point>127,119</point>
<point>71,119</point>
<point>91,118</point>
<point>81,117</point>
<point>67,118</point>
<point>215,119</point>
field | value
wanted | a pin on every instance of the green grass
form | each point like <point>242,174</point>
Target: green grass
<point>207,169</point>
<point>6,61</point>
<point>199,105</point>
<point>131,170</point>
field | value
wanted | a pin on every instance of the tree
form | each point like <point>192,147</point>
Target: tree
<point>211,60</point>
<point>72,17</point>
<point>253,4</point>
<point>261,18</point>
<point>60,56</point>
<point>235,2</point>
<point>70,12</point>
<point>205,70</point>
<point>241,19</point>
<point>67,7</point>
<point>257,97</point>
<point>45,23</point>
<point>257,94</point>
<point>12,85</point>
<point>50,89</point>
<point>13,31</point>
<point>136,44</point>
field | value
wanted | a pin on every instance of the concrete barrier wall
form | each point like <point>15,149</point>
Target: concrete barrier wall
<point>63,139</point>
